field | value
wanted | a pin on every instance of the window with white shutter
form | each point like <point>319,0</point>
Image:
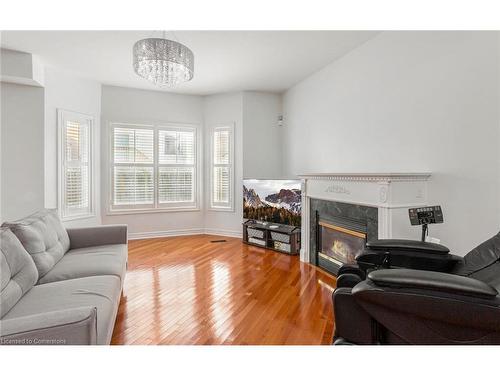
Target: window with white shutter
<point>75,165</point>
<point>221,173</point>
<point>153,167</point>
<point>133,167</point>
<point>176,167</point>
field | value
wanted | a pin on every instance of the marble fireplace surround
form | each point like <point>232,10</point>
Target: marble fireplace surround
<point>390,193</point>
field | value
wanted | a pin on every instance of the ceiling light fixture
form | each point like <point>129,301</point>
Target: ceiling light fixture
<point>163,62</point>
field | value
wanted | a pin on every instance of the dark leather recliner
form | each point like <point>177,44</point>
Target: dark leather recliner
<point>401,295</point>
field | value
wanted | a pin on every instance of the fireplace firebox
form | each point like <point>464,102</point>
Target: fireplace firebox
<point>339,244</point>
<point>340,232</point>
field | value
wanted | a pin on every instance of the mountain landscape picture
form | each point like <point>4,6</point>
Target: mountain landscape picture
<point>275,201</point>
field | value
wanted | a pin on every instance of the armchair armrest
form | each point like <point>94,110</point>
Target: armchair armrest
<point>407,254</point>
<point>407,246</point>
<point>429,280</point>
<point>97,236</point>
<point>76,326</point>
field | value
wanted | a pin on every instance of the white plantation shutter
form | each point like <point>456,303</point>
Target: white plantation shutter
<point>176,166</point>
<point>133,146</point>
<point>75,160</point>
<point>153,167</point>
<point>176,185</point>
<point>221,185</point>
<point>222,144</point>
<point>133,185</point>
<point>77,190</point>
<point>176,147</point>
<point>133,167</point>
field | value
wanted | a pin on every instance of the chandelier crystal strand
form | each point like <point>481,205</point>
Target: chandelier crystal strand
<point>163,62</point>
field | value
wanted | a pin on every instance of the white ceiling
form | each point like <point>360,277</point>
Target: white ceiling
<point>224,60</point>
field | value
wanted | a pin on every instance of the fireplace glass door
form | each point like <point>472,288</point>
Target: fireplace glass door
<point>340,245</point>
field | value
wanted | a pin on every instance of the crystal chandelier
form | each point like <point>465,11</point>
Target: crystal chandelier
<point>163,62</point>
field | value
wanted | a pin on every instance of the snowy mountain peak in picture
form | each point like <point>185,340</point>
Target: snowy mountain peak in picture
<point>276,201</point>
<point>289,199</point>
<point>252,198</point>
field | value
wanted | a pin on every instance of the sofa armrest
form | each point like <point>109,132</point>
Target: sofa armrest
<point>435,281</point>
<point>77,326</point>
<point>97,236</point>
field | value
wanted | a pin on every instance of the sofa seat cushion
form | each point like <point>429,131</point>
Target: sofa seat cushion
<point>89,261</point>
<point>18,273</point>
<point>102,292</point>
<point>44,238</point>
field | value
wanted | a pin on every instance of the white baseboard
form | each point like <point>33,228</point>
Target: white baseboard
<point>165,233</point>
<point>184,232</point>
<point>224,232</point>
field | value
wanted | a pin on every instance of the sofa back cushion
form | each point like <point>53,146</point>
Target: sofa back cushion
<point>44,238</point>
<point>18,273</point>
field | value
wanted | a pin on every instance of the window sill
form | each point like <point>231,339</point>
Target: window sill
<point>80,217</point>
<point>221,209</point>
<point>150,211</point>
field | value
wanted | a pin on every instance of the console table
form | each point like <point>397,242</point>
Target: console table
<point>282,238</point>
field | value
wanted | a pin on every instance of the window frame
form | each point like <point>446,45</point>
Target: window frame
<point>156,206</point>
<point>62,117</point>
<point>230,206</point>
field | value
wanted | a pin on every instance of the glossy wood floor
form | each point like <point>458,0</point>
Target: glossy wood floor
<point>188,290</point>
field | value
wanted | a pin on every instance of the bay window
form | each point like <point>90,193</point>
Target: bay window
<point>153,167</point>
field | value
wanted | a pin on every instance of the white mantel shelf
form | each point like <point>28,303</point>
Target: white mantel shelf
<point>366,176</point>
<point>391,193</point>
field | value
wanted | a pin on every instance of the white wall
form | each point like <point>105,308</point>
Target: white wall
<point>409,102</point>
<point>21,68</point>
<point>22,169</point>
<point>119,104</point>
<point>65,91</point>
<point>262,136</point>
<point>224,109</point>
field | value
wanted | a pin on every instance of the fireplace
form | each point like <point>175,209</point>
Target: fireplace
<point>338,244</point>
<point>371,204</point>
<point>340,231</point>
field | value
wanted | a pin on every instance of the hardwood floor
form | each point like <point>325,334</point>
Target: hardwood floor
<point>188,290</point>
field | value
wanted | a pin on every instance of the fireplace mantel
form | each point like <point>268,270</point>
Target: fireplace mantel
<point>391,193</point>
<point>370,177</point>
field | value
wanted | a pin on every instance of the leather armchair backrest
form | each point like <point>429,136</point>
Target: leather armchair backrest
<point>481,258</point>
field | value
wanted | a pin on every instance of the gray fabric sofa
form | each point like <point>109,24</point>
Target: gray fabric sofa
<point>60,286</point>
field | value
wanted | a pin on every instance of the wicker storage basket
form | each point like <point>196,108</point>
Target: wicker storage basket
<point>255,233</point>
